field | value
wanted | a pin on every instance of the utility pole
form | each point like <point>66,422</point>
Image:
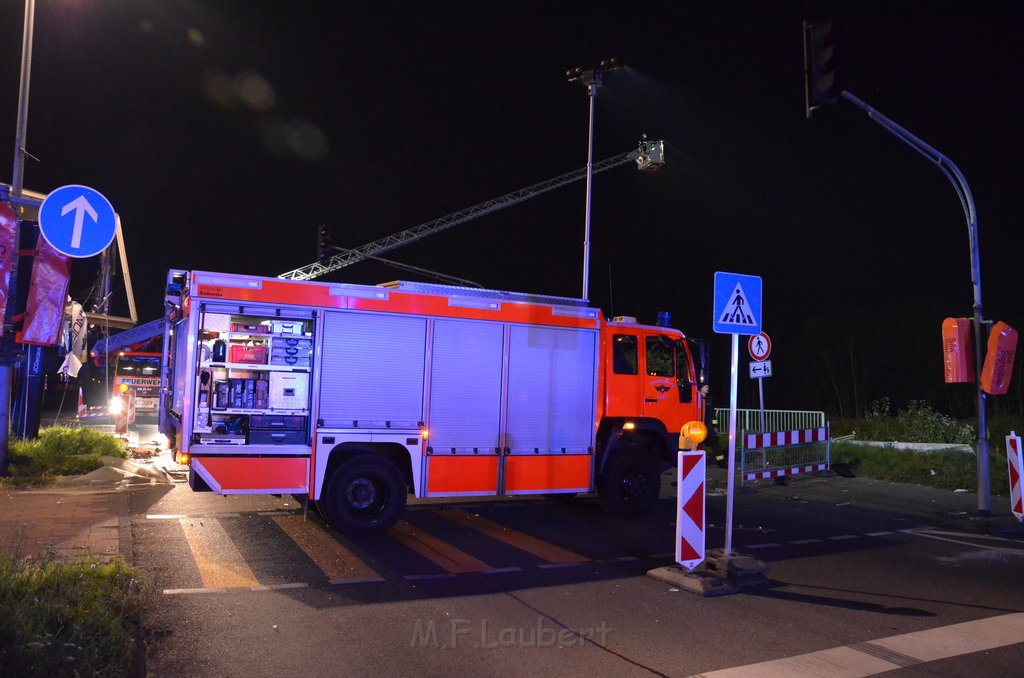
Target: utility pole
<point>593,78</point>
<point>17,184</point>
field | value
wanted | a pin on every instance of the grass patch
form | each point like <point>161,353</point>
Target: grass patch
<point>944,470</point>
<point>78,618</point>
<point>58,451</point>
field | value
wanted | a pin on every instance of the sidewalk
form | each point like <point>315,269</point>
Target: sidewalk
<point>81,516</point>
<point>62,523</point>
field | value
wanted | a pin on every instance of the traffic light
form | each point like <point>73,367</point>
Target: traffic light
<point>323,244</point>
<point>823,65</point>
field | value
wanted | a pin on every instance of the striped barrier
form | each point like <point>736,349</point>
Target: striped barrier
<point>784,453</point>
<point>1015,468</point>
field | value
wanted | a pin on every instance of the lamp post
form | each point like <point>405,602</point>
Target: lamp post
<point>17,183</point>
<point>592,78</point>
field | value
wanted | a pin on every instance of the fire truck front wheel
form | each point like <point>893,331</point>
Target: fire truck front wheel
<point>630,483</point>
<point>364,496</point>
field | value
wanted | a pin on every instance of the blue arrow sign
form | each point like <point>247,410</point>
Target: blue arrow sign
<point>77,221</point>
<point>737,303</point>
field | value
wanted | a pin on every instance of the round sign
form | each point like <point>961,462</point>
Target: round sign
<point>77,221</point>
<point>760,346</point>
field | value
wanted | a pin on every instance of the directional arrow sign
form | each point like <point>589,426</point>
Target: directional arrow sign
<point>77,221</point>
<point>760,369</point>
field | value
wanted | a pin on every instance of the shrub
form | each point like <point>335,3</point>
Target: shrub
<point>61,450</point>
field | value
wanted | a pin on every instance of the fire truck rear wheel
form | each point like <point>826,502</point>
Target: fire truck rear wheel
<point>364,496</point>
<point>630,483</point>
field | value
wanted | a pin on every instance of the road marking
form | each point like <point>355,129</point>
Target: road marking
<point>889,654</point>
<point>337,562</point>
<point>267,587</point>
<point>880,534</point>
<point>515,538</point>
<point>444,555</point>
<point>936,535</point>
<point>766,545</point>
<point>220,564</point>
<point>502,570</point>
<point>805,541</point>
<point>844,537</point>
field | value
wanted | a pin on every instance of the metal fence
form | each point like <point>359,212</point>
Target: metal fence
<point>774,420</point>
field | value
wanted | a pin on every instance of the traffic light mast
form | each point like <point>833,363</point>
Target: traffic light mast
<point>824,84</point>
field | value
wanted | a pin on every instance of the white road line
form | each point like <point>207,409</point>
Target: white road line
<point>889,654</point>
<point>880,534</point>
<point>238,589</point>
<point>766,545</point>
<point>933,535</point>
<point>844,537</point>
<point>806,541</point>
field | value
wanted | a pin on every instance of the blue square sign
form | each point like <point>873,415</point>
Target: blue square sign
<point>737,304</point>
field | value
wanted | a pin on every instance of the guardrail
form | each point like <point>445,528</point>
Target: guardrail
<point>774,420</point>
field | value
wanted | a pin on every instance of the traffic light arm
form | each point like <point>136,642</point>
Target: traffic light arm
<point>963,192</point>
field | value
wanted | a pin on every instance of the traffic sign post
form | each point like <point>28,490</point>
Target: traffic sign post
<point>759,369</point>
<point>77,221</point>
<point>737,310</point>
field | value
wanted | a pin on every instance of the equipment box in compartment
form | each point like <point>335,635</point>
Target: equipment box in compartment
<point>256,355</point>
<point>290,422</point>
<point>289,390</point>
<point>296,327</point>
<point>275,437</point>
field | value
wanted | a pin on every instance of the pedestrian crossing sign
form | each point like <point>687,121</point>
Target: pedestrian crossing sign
<point>737,304</point>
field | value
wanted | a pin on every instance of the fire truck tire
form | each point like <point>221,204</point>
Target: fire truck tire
<point>630,483</point>
<point>365,496</point>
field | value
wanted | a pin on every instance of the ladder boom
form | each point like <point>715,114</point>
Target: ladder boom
<point>357,254</point>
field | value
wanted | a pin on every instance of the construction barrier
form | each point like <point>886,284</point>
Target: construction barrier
<point>1015,467</point>
<point>774,420</point>
<point>785,453</point>
<point>690,509</point>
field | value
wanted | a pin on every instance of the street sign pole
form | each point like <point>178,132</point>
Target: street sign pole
<point>737,310</point>
<point>733,383</point>
<point>760,394</point>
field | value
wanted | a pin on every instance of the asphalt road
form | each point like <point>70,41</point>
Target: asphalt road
<point>246,587</point>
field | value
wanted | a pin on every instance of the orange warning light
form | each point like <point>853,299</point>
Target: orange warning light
<point>694,431</point>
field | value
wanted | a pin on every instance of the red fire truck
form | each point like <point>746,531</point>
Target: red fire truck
<point>354,396</point>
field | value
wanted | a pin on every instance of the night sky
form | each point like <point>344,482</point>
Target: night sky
<point>224,133</point>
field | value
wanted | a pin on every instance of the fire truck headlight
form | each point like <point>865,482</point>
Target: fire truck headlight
<point>116,406</point>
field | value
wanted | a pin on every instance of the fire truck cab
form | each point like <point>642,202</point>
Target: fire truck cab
<point>355,396</point>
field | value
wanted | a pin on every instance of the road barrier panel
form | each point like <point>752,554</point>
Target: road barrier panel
<point>785,453</point>
<point>1015,467</point>
<point>690,509</point>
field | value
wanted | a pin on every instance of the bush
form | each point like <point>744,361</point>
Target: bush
<point>919,423</point>
<point>61,450</point>
<point>76,618</point>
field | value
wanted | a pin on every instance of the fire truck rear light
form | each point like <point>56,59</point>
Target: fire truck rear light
<point>181,458</point>
<point>628,426</point>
